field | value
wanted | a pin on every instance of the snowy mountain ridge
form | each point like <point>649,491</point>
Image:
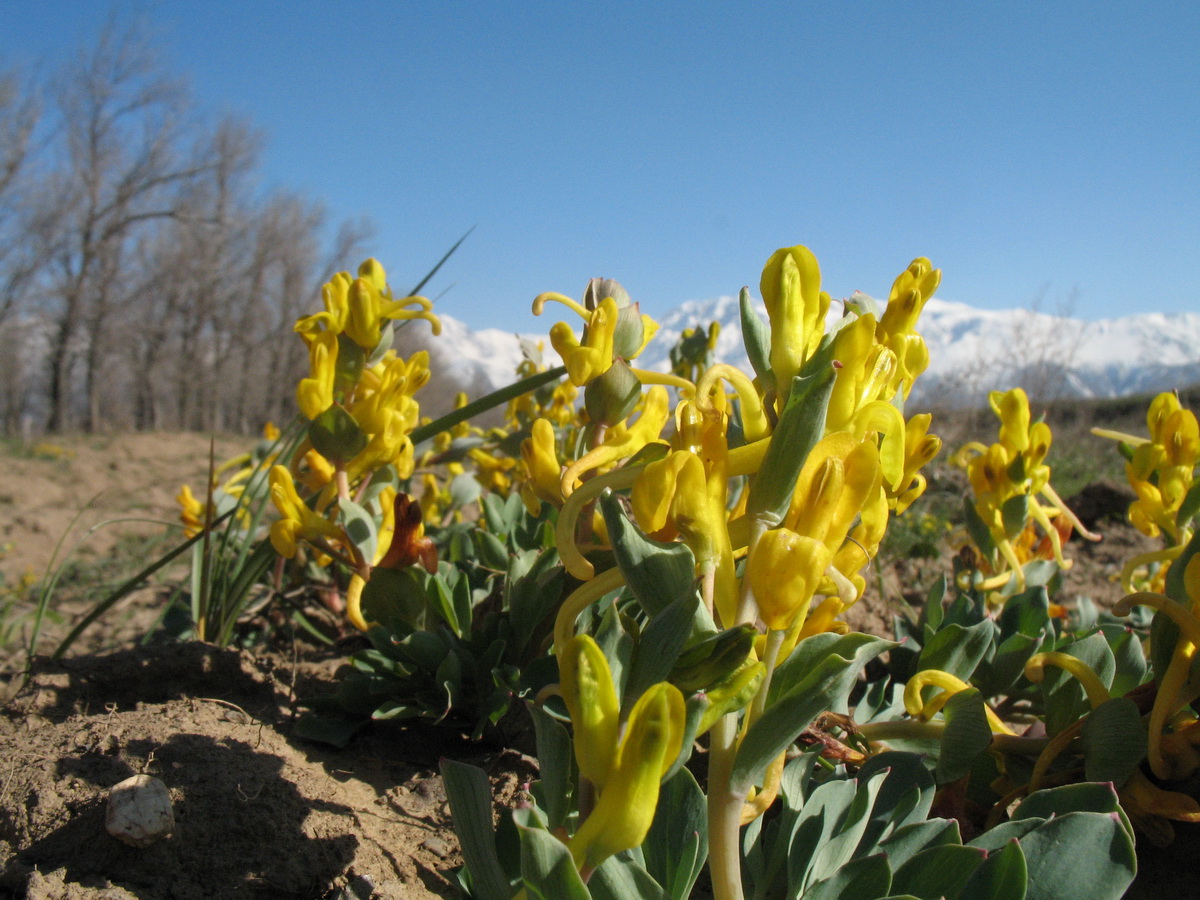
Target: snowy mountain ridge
<point>971,350</point>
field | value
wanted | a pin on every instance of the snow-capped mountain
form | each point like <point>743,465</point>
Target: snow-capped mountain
<point>971,350</point>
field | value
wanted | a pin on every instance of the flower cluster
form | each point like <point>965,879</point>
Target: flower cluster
<point>1007,479</point>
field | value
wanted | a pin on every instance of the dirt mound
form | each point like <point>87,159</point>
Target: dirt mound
<point>257,815</point>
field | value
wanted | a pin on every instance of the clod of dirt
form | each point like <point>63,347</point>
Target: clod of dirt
<point>139,811</point>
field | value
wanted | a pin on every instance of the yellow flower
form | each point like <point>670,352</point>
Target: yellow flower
<point>796,305</point>
<point>785,570</point>
<point>358,307</point>
<point>314,394</point>
<point>591,699</point>
<point>671,498</point>
<point>542,470</point>
<point>625,810</point>
<point>297,521</point>
<point>592,357</point>
<point>191,511</point>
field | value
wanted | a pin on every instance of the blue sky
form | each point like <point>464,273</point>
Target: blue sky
<point>1037,153</point>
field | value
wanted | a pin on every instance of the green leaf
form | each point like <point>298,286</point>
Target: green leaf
<point>1065,699</point>
<point>349,365</point>
<point>933,612</point>
<point>1014,513</point>
<point>817,823</point>
<point>801,425</point>
<point>620,878</point>
<point>677,844</point>
<point>657,573</point>
<point>1002,876</point>
<point>547,871</point>
<point>533,594</point>
<point>1084,797</point>
<point>1189,507</point>
<point>1114,741</point>
<point>334,730</point>
<point>906,842</point>
<point>395,598</point>
<point>839,849</point>
<point>958,649</point>
<point>980,534</point>
<point>1129,656</point>
<point>336,435</point>
<point>554,753</point>
<point>756,336</point>
<point>1100,864</point>
<point>965,736</point>
<point>658,647</point>
<point>441,600</point>
<point>470,799</point>
<point>824,687</point>
<point>905,796</point>
<point>360,527</point>
<point>865,878</point>
<point>938,872</point>
<point>1026,613</point>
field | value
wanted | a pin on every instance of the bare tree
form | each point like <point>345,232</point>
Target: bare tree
<point>123,125</point>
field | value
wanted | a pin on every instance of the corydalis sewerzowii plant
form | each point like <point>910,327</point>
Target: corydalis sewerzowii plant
<point>1007,479</point>
<point>824,457</point>
<point>359,398</point>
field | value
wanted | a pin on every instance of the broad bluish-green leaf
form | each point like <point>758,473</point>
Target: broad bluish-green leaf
<point>1064,697</point>
<point>554,753</point>
<point>818,822</point>
<point>938,872</point>
<point>909,840</point>
<point>395,598</point>
<point>1114,741</point>
<point>958,649</point>
<point>1006,668</point>
<point>1129,657</point>
<point>933,612</point>
<point>1026,613</point>
<point>1098,863</point>
<point>1083,797</point>
<point>656,572</point>
<point>470,798</point>
<point>790,712</point>
<point>756,336</point>
<point>1002,876</point>
<point>677,844</point>
<point>801,425</point>
<point>360,527</point>
<point>905,796</point>
<point>547,871</point>
<point>965,736</point>
<point>619,878</point>
<point>865,878</point>
<point>658,647</point>
<point>860,648</point>
<point>839,849</point>
<point>336,435</point>
<point>1014,513</point>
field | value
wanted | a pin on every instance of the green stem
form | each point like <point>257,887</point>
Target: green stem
<point>724,812</point>
<point>483,404</point>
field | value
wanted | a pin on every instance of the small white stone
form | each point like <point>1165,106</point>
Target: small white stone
<point>139,811</point>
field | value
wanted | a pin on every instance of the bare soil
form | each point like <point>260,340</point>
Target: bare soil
<point>258,812</point>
